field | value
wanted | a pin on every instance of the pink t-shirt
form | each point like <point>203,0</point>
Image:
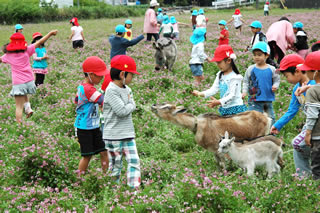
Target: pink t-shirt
<point>20,65</point>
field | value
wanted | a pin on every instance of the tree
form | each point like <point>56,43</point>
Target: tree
<point>257,4</point>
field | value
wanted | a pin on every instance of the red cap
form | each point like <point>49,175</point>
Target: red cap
<point>312,62</point>
<point>18,42</point>
<point>267,2</point>
<point>222,52</point>
<point>237,12</point>
<point>291,60</point>
<point>318,42</point>
<point>124,63</point>
<point>74,20</point>
<point>35,35</point>
<point>96,65</point>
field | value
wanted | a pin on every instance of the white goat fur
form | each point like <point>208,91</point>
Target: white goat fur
<point>249,156</point>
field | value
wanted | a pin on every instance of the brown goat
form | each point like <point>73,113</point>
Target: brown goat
<point>209,128</point>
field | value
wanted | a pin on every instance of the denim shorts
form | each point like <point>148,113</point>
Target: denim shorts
<point>196,69</point>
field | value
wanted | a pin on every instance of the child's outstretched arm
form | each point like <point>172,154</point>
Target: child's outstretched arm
<point>45,38</point>
<point>230,20</point>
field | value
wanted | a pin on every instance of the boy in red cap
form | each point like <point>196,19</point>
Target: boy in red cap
<point>76,36</point>
<point>237,20</point>
<point>17,54</point>
<point>312,138</point>
<point>289,67</point>
<point>118,133</point>
<point>87,121</point>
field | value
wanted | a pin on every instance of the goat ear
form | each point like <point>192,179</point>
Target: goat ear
<point>226,135</point>
<point>232,139</point>
<point>154,44</point>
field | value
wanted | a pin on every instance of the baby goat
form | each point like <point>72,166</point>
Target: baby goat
<point>254,154</point>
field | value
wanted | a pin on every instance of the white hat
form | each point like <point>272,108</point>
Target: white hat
<point>154,3</point>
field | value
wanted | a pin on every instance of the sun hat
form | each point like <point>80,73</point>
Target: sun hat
<point>237,12</point>
<point>166,19</point>
<point>35,35</point>
<point>291,60</point>
<point>297,24</point>
<point>256,24</point>
<point>154,3</point>
<point>198,35</point>
<point>128,21</point>
<point>173,20</point>
<point>201,11</point>
<point>124,63</point>
<point>263,46</point>
<point>222,52</point>
<point>120,29</point>
<point>74,20</point>
<point>159,9</point>
<point>222,22</point>
<point>194,12</point>
<point>17,42</point>
<point>94,64</point>
<point>18,27</point>
<point>312,62</point>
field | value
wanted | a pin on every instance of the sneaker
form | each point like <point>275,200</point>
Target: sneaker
<point>28,112</point>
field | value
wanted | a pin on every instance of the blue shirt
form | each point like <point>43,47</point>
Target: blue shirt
<point>293,107</point>
<point>119,45</point>
<point>41,63</point>
<point>260,86</point>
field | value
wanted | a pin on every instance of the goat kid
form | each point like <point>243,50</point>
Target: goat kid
<point>248,156</point>
<point>166,53</point>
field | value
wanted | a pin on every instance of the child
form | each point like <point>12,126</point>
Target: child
<point>175,26</point>
<point>128,26</point>
<point>119,44</point>
<point>312,138</point>
<point>261,81</point>
<point>150,26</point>
<point>301,44</point>
<point>193,19</point>
<point>201,19</point>
<point>228,82</point>
<point>159,16</point>
<point>76,36</point>
<point>17,54</point>
<point>301,153</point>
<point>118,131</point>
<point>258,36</point>
<point>87,121</point>
<point>40,65</point>
<point>166,27</point>
<point>224,33</point>
<point>18,28</point>
<point>266,9</point>
<point>198,55</point>
<point>237,20</point>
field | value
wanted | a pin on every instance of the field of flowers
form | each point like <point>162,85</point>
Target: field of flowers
<point>38,160</point>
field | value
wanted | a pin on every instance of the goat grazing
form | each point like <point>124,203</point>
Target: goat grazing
<point>166,53</point>
<point>248,156</point>
<point>208,128</point>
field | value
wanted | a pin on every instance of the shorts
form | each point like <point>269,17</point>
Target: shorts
<point>77,44</point>
<point>196,69</point>
<point>238,27</point>
<point>90,141</point>
<point>23,89</point>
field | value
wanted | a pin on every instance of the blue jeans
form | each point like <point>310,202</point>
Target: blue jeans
<point>262,106</point>
<point>301,154</point>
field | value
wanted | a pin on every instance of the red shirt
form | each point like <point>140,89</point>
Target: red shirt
<point>224,40</point>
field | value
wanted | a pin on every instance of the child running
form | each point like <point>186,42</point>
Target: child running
<point>76,36</point>
<point>224,33</point>
<point>128,26</point>
<point>228,82</point>
<point>261,81</point>
<point>119,44</point>
<point>312,138</point>
<point>87,121</point>
<point>266,9</point>
<point>237,20</point>
<point>301,44</point>
<point>40,65</point>
<point>301,153</point>
<point>198,55</point>
<point>17,54</point>
<point>258,36</point>
<point>119,134</point>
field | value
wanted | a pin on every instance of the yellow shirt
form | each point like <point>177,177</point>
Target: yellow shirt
<point>128,34</point>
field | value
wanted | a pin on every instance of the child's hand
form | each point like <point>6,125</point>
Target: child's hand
<point>195,92</point>
<point>54,32</point>
<point>274,88</point>
<point>214,102</point>
<point>307,138</point>
<point>302,89</point>
<point>244,95</point>
<point>274,130</point>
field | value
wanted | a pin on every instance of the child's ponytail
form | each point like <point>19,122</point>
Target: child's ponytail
<point>234,67</point>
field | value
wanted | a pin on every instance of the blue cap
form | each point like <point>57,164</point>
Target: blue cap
<point>201,11</point>
<point>194,12</point>
<point>128,21</point>
<point>298,24</point>
<point>120,29</point>
<point>173,20</point>
<point>159,9</point>
<point>18,27</point>
<point>263,46</point>
<point>166,19</point>
<point>223,22</point>
<point>198,35</point>
<point>256,24</point>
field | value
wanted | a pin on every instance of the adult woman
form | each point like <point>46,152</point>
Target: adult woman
<point>150,22</point>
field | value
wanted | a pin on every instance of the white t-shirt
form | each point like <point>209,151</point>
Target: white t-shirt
<point>237,20</point>
<point>266,7</point>
<point>201,21</point>
<point>166,28</point>
<point>77,33</point>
